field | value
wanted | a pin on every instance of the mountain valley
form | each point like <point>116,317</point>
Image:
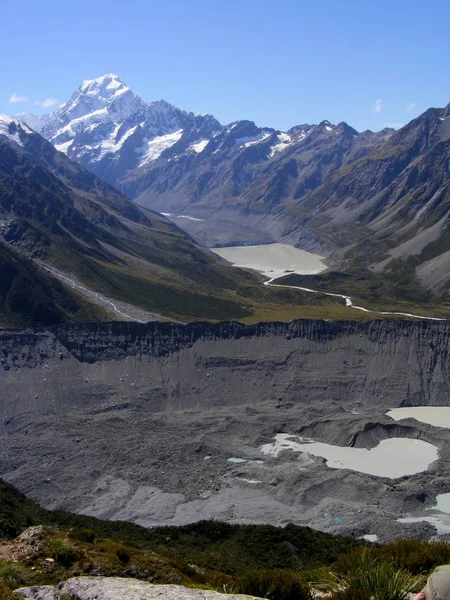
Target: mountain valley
<point>324,188</point>
<point>144,378</point>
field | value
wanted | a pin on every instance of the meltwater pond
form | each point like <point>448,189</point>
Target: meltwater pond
<point>392,458</point>
<point>273,260</point>
<point>439,416</point>
<point>438,515</point>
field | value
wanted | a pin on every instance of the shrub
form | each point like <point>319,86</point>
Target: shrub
<point>274,584</point>
<point>83,535</point>
<point>13,575</point>
<point>418,556</point>
<point>5,593</point>
<point>363,575</point>
<point>123,556</point>
<point>63,551</point>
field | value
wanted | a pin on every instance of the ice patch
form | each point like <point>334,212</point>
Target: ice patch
<point>251,141</point>
<point>199,146</point>
<point>171,215</point>
<point>284,140</point>
<point>64,147</point>
<point>156,146</point>
<point>369,537</point>
<point>112,144</point>
<point>189,218</point>
<point>236,460</point>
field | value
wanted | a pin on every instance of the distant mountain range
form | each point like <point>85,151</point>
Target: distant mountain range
<point>175,162</point>
<point>378,201</point>
<point>60,223</point>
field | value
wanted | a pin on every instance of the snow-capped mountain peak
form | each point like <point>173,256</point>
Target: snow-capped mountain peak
<point>109,81</point>
<point>14,129</point>
<point>108,128</point>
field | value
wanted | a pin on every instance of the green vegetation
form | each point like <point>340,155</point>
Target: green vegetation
<point>13,575</point>
<point>62,550</point>
<point>272,562</point>
<point>366,575</point>
<point>31,297</point>
<point>277,584</point>
<point>399,291</point>
<point>6,593</point>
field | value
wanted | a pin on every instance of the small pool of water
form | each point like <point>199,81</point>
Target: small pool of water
<point>437,522</point>
<point>441,520</point>
<point>273,260</point>
<point>439,416</point>
<point>392,458</point>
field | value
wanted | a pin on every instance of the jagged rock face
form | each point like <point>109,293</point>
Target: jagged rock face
<point>119,588</point>
<point>138,422</point>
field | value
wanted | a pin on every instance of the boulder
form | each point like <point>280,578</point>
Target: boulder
<point>118,588</point>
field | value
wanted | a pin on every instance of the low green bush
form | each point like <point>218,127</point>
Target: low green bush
<point>5,593</point>
<point>83,535</point>
<point>123,556</point>
<point>63,551</point>
<point>362,574</point>
<point>418,556</point>
<point>274,584</point>
<point>13,575</point>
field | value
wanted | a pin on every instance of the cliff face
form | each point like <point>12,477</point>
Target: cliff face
<point>165,366</point>
<point>138,422</point>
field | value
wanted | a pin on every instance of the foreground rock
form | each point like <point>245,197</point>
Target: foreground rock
<point>117,588</point>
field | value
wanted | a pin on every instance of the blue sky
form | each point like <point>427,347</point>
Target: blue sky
<point>279,63</point>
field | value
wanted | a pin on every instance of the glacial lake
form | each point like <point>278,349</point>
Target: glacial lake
<point>439,416</point>
<point>273,260</point>
<point>393,458</point>
<point>440,517</point>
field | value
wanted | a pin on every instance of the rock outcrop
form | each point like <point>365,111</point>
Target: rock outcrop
<point>117,588</point>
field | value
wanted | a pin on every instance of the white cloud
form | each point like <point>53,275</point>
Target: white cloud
<point>48,102</point>
<point>377,106</point>
<point>411,107</point>
<point>15,98</point>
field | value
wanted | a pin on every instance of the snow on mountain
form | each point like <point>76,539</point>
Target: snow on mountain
<point>284,140</point>
<point>157,145</point>
<point>199,146</point>
<point>106,127</point>
<point>14,129</point>
<point>36,122</point>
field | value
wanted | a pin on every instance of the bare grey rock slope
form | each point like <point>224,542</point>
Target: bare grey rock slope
<point>139,422</point>
<point>119,588</point>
